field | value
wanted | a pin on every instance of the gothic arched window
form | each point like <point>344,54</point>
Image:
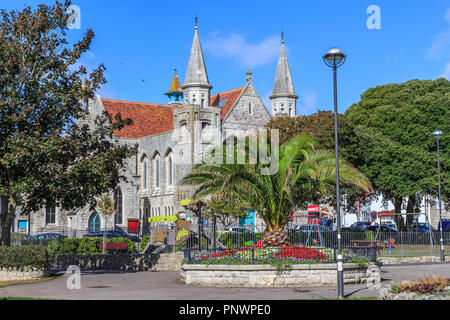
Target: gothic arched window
<point>94,223</point>
<point>169,168</point>
<point>50,215</point>
<point>118,205</point>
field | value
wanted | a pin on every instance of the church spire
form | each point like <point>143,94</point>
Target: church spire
<point>196,70</point>
<point>196,85</point>
<point>283,94</point>
<point>175,93</point>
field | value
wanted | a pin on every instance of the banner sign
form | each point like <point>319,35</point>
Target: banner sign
<point>313,209</point>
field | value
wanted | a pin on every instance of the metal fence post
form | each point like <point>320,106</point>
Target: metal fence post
<point>401,241</point>
<point>253,255</point>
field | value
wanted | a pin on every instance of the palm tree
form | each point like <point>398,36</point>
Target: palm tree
<point>304,174</point>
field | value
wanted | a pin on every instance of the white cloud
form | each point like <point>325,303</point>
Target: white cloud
<point>247,54</point>
<point>446,73</point>
<point>440,48</point>
<point>447,16</point>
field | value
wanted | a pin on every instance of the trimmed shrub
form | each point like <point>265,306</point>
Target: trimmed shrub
<point>84,246</point>
<point>144,242</point>
<point>19,258</point>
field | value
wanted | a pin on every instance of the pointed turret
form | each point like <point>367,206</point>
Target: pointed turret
<point>283,96</point>
<point>175,92</point>
<point>196,85</point>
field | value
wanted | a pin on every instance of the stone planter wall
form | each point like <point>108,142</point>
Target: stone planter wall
<point>385,294</point>
<point>26,274</point>
<point>169,262</point>
<point>257,276</point>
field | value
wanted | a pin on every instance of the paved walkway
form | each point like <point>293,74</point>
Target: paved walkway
<point>167,286</point>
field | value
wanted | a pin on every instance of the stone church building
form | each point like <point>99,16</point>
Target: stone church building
<point>167,135</point>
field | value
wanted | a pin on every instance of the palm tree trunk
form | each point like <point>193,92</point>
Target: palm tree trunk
<point>275,237</point>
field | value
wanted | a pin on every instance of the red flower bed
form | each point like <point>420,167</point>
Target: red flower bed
<point>221,254</point>
<point>299,252</point>
<point>115,246</point>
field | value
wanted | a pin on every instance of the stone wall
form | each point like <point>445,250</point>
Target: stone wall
<point>26,274</point>
<point>169,262</point>
<point>410,260</point>
<point>121,262</point>
<point>268,276</point>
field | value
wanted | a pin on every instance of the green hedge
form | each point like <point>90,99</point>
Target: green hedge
<point>83,246</point>
<point>25,256</point>
<point>144,242</point>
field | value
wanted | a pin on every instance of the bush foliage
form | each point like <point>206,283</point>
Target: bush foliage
<point>85,246</point>
<point>26,256</point>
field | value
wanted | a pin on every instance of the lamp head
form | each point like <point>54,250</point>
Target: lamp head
<point>334,57</point>
<point>437,135</point>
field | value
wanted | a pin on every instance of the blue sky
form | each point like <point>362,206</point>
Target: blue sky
<point>145,40</point>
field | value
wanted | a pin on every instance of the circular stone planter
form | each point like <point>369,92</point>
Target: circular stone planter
<point>260,276</point>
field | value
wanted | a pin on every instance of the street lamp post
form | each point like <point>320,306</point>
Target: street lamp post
<point>335,58</point>
<point>200,229</point>
<point>438,135</point>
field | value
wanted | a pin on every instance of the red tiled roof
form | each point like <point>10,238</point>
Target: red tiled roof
<point>148,118</point>
<point>230,97</point>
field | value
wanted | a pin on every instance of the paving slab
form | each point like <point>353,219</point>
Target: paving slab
<point>109,285</point>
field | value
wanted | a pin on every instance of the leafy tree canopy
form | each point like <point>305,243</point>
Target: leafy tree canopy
<point>393,125</point>
<point>50,152</point>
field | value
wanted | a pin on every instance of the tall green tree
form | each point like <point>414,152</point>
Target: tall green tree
<point>226,207</point>
<point>393,125</point>
<point>50,154</point>
<point>106,206</point>
<point>320,126</point>
<point>301,168</point>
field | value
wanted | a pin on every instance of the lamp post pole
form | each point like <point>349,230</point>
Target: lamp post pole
<point>340,272</point>
<point>199,208</point>
<point>438,135</point>
<point>335,58</point>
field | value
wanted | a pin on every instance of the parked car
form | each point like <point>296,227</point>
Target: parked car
<point>328,223</point>
<point>422,227</point>
<point>310,228</point>
<point>376,228</point>
<point>112,234</point>
<point>238,230</point>
<point>445,225</point>
<point>390,225</point>
<point>357,226</point>
<point>48,236</point>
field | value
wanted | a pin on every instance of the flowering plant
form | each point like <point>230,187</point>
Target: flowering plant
<point>301,253</point>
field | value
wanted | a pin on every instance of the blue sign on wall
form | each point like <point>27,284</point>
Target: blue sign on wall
<point>22,224</point>
<point>249,218</point>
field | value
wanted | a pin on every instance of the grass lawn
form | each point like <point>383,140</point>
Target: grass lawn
<point>409,250</point>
